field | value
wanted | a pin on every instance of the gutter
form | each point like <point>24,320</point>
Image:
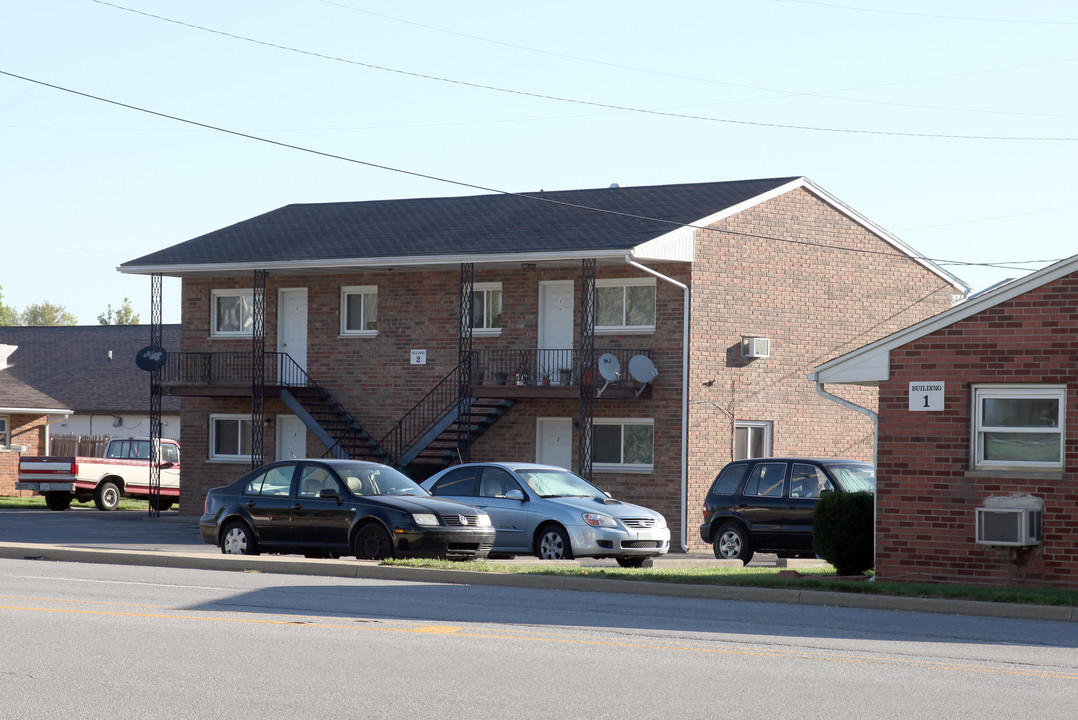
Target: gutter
<point>684,399</point>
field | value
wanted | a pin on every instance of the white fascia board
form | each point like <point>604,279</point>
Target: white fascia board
<point>863,366</point>
<point>35,411</point>
<point>416,262</point>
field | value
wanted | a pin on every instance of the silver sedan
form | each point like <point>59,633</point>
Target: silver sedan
<point>553,513</point>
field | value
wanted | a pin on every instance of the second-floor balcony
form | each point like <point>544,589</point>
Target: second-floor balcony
<point>497,373</point>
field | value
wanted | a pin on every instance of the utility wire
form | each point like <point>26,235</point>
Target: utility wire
<point>588,103</point>
<point>460,183</point>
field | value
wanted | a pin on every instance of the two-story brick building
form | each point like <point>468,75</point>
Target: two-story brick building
<point>976,411</point>
<point>642,336</point>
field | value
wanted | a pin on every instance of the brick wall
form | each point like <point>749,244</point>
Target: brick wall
<point>815,303</point>
<point>927,493</point>
<point>26,430</point>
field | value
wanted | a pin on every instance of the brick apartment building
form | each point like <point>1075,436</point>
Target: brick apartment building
<point>977,407</point>
<point>439,329</point>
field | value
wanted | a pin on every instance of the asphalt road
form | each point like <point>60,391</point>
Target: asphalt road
<point>96,641</point>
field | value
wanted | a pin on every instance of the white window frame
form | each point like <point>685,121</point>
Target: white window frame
<point>227,457</point>
<point>5,431</point>
<point>624,283</point>
<point>979,429</point>
<point>483,288</point>
<point>763,426</point>
<point>215,297</point>
<point>356,290</point>
<point>623,467</point>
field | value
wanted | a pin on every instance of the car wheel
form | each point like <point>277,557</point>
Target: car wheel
<point>373,543</point>
<point>732,542</point>
<point>237,539</point>
<point>57,500</point>
<point>552,543</point>
<point>107,496</point>
<point>632,561</point>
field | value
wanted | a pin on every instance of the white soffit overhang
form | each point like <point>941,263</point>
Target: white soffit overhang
<point>871,364</point>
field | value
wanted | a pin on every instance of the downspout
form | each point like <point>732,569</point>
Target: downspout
<point>855,407</point>
<point>875,438</point>
<point>684,399</point>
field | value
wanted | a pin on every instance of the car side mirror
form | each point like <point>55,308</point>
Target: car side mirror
<point>515,495</point>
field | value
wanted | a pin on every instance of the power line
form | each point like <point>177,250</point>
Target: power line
<point>459,183</point>
<point>823,94</point>
<point>588,103</point>
<point>934,15</point>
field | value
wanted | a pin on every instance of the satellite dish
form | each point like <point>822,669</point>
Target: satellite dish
<point>610,369</point>
<point>151,357</point>
<point>642,370</point>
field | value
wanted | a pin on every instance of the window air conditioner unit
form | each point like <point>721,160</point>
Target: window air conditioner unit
<point>755,347</point>
<point>1009,526</point>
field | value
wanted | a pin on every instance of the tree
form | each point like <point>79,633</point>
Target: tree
<point>45,313</point>
<point>8,314</point>
<point>124,316</point>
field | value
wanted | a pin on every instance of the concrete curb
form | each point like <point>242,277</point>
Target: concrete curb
<point>373,571</point>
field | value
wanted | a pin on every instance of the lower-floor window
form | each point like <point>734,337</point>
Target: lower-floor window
<point>623,444</point>
<point>752,440</point>
<point>1018,426</point>
<point>230,437</point>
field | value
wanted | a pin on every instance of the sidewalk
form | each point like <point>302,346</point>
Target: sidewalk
<point>172,540</point>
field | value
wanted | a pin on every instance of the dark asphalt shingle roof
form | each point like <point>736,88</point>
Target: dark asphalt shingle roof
<point>16,394</point>
<point>71,364</point>
<point>476,224</point>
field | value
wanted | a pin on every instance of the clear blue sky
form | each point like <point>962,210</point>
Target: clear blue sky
<point>888,105</point>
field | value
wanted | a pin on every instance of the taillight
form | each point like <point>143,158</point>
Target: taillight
<point>74,468</point>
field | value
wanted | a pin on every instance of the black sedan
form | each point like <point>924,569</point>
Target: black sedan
<point>329,508</point>
<point>767,504</point>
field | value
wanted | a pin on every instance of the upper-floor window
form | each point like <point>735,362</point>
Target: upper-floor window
<point>487,308</point>
<point>359,310</point>
<point>5,437</point>
<point>230,437</point>
<point>623,444</point>
<point>1018,426</point>
<point>625,305</point>
<point>233,313</point>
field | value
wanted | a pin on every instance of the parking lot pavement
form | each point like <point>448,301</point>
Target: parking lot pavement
<point>170,532</point>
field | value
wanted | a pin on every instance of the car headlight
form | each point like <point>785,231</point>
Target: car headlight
<point>599,520</point>
<point>484,520</point>
<point>425,518</point>
<point>660,522</point>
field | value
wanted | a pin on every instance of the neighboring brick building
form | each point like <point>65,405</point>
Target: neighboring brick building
<point>978,402</point>
<point>368,298</point>
<point>24,416</point>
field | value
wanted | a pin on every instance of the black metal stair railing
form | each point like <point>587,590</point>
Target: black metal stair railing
<point>442,399</point>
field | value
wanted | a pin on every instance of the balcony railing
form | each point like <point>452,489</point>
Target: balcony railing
<point>540,367</point>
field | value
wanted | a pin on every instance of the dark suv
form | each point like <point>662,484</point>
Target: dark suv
<point>766,504</point>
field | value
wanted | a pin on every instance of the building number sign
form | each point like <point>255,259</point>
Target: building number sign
<point>926,396</point>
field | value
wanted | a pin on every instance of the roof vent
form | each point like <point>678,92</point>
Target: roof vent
<point>614,185</point>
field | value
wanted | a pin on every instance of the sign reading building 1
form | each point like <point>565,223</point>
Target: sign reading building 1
<point>926,396</point>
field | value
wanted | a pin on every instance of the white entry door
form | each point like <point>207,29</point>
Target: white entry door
<point>555,327</point>
<point>291,438</point>
<point>554,442</point>
<point>292,329</point>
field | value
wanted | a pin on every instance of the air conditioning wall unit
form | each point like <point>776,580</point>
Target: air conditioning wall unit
<point>755,347</point>
<point>1018,527</point>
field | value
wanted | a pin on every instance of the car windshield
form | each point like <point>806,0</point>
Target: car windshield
<point>854,477</point>
<point>558,483</point>
<point>374,480</point>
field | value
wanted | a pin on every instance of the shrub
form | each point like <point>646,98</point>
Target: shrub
<point>842,531</point>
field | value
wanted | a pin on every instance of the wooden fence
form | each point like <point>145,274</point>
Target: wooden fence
<point>84,445</point>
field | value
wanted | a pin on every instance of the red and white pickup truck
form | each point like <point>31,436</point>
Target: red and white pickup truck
<point>125,470</point>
